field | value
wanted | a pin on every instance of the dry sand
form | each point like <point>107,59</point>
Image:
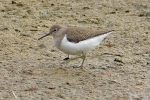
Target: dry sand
<point>119,69</point>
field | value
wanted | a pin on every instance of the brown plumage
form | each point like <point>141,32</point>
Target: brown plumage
<point>77,34</point>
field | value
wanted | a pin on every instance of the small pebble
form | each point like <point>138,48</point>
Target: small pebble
<point>42,46</point>
<point>3,28</point>
<point>26,35</point>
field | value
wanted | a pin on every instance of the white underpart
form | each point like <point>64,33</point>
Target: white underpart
<point>82,46</point>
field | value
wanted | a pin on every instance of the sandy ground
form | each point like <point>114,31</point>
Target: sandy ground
<point>119,69</point>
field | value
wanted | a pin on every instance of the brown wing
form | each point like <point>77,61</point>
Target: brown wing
<point>78,34</point>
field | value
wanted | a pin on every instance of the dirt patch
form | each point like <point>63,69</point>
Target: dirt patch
<point>119,69</point>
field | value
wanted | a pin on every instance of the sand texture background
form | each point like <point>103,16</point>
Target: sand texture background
<point>118,69</point>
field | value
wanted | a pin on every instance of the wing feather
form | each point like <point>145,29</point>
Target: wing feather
<point>79,34</point>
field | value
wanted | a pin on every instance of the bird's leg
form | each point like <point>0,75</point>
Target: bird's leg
<point>83,57</point>
<point>70,59</point>
<point>67,58</point>
<point>73,59</point>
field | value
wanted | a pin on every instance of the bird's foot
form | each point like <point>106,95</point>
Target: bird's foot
<point>67,58</point>
<point>70,59</point>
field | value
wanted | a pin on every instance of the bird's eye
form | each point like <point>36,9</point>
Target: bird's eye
<point>55,30</point>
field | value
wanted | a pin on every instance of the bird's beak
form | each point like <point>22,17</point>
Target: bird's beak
<point>44,35</point>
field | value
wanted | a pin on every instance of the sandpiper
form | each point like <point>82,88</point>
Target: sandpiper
<point>76,40</point>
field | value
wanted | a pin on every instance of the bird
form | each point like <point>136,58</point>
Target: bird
<point>76,40</point>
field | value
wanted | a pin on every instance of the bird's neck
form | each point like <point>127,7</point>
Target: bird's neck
<point>57,40</point>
